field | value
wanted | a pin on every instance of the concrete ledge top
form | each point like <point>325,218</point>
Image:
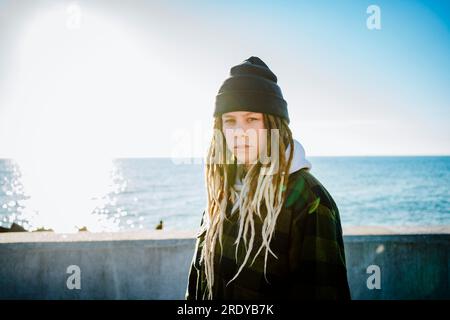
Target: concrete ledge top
<point>27,237</point>
<point>395,230</point>
<point>16,237</point>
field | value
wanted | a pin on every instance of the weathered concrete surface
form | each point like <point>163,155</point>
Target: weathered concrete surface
<point>414,263</point>
<point>113,265</point>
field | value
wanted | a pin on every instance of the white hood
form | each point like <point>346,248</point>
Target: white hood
<point>299,161</point>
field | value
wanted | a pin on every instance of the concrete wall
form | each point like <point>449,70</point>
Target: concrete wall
<point>413,264</point>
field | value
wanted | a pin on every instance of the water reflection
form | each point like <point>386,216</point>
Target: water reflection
<point>63,193</point>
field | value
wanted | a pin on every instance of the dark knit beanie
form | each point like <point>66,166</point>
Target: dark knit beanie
<point>252,86</point>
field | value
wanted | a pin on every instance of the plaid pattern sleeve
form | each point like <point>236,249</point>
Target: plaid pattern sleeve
<point>308,241</point>
<point>196,280</point>
<point>192,278</point>
<point>317,266</point>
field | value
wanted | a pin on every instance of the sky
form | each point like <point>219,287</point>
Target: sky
<point>94,78</point>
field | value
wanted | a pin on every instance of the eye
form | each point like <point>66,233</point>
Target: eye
<point>229,121</point>
<point>252,119</point>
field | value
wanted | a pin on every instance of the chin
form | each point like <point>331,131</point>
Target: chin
<point>246,160</point>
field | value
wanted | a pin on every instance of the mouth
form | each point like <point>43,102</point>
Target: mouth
<point>243,147</point>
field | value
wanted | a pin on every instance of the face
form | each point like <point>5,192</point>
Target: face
<point>244,135</point>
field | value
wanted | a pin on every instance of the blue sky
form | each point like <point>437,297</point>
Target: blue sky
<point>136,78</point>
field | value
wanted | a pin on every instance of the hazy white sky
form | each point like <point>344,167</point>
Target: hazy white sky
<point>139,78</point>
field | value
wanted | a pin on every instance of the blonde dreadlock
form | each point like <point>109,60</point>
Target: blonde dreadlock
<point>257,189</point>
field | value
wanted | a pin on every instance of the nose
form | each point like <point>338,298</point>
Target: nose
<point>241,136</point>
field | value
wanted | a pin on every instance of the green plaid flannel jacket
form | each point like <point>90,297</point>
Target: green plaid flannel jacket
<point>308,243</point>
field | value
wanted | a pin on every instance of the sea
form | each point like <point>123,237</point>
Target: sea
<point>105,195</point>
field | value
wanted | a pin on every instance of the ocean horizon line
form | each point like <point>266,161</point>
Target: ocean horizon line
<point>308,156</point>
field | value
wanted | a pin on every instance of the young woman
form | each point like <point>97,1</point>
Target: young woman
<point>270,229</point>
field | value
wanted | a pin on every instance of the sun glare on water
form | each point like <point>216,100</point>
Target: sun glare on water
<point>70,99</point>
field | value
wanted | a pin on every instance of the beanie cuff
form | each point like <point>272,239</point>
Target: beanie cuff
<point>253,101</point>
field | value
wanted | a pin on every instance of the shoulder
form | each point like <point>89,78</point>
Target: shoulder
<point>312,205</point>
<point>304,189</point>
